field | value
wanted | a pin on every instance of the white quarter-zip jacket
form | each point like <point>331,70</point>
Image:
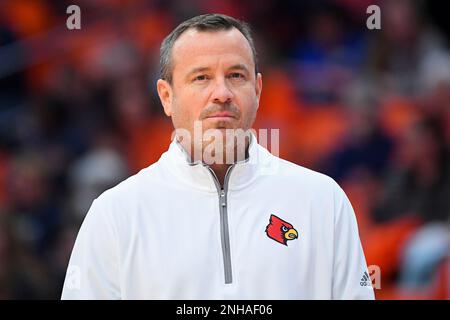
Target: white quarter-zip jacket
<point>274,230</point>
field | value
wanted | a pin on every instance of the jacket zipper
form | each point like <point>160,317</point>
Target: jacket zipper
<point>224,232</point>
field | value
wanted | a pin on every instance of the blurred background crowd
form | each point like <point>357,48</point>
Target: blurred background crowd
<point>371,108</point>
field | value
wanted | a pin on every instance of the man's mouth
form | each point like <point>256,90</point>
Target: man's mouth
<point>221,115</point>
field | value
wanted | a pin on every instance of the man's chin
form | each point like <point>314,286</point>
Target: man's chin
<point>219,127</point>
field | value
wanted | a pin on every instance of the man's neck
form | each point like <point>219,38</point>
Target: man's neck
<point>220,169</point>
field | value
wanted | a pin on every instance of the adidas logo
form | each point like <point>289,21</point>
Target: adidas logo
<point>365,280</point>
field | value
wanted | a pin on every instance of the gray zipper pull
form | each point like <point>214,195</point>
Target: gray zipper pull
<point>222,198</point>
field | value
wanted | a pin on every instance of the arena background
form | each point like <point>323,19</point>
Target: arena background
<point>371,108</point>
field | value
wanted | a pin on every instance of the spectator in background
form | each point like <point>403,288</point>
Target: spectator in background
<point>101,168</point>
<point>365,147</point>
<point>425,253</point>
<point>408,54</point>
<point>36,213</point>
<point>420,183</point>
<point>328,56</point>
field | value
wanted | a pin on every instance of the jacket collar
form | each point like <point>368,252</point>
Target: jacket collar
<point>197,175</point>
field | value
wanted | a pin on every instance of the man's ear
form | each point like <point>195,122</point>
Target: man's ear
<point>165,95</point>
<point>258,86</point>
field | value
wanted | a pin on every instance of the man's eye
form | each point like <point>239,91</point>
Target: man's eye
<point>200,78</point>
<point>236,75</point>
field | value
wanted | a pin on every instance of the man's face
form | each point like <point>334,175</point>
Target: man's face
<point>214,81</point>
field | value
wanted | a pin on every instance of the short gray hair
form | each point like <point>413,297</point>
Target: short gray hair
<point>205,22</point>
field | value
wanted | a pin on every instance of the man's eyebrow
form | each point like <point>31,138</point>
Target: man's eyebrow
<point>239,67</point>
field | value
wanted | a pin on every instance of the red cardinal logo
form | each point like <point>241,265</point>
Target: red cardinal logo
<point>280,230</point>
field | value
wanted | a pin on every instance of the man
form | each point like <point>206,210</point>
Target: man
<point>217,217</point>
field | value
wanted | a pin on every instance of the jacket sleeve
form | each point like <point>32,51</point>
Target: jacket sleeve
<point>349,265</point>
<point>93,271</point>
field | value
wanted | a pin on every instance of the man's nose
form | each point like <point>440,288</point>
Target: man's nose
<point>221,92</point>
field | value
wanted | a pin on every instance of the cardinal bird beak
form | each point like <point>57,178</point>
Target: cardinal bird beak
<point>291,234</point>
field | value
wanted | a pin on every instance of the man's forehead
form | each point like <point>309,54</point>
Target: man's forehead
<point>196,45</point>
